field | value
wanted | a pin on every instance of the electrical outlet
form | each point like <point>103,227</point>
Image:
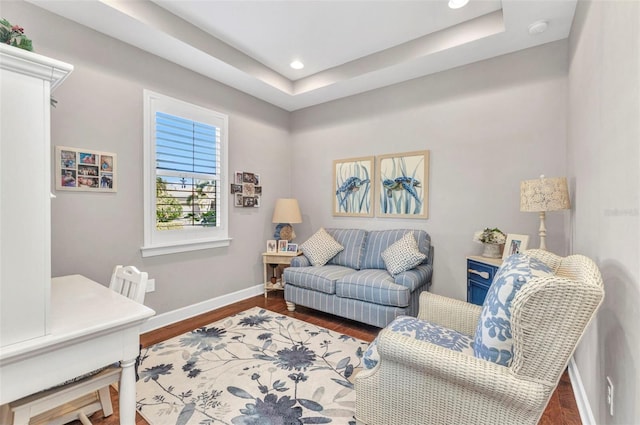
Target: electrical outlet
<point>151,285</point>
<point>610,395</point>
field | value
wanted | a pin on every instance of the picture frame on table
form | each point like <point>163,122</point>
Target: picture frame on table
<point>282,245</point>
<point>272,246</point>
<point>515,244</point>
<point>292,247</point>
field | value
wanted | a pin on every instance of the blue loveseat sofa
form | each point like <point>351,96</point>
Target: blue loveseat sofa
<point>355,283</point>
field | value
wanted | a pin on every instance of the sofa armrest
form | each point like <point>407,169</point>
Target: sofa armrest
<point>415,278</point>
<point>450,313</point>
<point>300,261</point>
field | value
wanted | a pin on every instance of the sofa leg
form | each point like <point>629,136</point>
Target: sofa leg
<point>290,306</point>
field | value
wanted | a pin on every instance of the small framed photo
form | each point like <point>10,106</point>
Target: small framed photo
<point>248,178</point>
<point>248,201</point>
<point>236,188</point>
<point>515,244</point>
<point>282,245</point>
<point>272,246</point>
<point>292,247</point>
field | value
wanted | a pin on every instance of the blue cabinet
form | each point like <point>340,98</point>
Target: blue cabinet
<point>480,273</point>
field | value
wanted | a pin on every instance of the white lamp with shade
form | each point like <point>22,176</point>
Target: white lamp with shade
<point>542,195</point>
<point>286,212</point>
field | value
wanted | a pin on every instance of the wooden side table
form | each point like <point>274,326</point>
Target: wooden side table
<point>277,259</point>
<point>480,273</point>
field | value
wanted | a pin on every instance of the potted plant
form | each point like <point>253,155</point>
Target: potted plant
<point>493,241</point>
<point>13,35</point>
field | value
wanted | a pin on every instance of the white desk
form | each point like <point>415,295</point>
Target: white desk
<point>91,326</point>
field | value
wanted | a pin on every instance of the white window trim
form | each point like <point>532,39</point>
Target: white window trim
<point>160,242</point>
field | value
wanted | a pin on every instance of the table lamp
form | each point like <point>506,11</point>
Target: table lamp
<point>542,195</point>
<point>287,211</point>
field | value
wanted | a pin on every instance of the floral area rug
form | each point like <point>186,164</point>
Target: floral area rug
<point>254,368</point>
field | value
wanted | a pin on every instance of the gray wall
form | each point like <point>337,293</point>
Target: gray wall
<point>100,108</point>
<point>604,164</point>
<point>488,126</point>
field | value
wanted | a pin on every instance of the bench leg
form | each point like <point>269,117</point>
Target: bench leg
<point>290,306</point>
<point>105,401</point>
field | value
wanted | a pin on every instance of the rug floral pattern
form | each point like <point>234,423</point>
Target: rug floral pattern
<point>254,368</point>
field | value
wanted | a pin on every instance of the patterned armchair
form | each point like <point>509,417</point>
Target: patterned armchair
<point>493,364</point>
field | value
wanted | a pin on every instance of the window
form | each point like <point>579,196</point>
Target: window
<point>185,207</point>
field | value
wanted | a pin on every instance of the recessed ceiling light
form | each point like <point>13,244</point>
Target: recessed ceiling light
<point>296,65</point>
<point>538,27</point>
<point>457,4</point>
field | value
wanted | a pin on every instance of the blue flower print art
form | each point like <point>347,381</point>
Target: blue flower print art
<point>353,187</point>
<point>254,368</point>
<point>402,185</point>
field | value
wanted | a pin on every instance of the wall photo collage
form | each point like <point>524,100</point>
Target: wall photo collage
<point>79,169</point>
<point>246,190</point>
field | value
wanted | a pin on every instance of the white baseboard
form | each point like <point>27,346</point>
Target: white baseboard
<point>586,414</point>
<point>164,319</point>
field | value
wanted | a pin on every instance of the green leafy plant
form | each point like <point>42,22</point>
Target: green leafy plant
<point>168,208</point>
<point>14,35</point>
<point>200,198</point>
<point>492,236</point>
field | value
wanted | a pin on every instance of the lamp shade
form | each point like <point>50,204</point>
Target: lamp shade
<point>287,210</point>
<point>544,194</point>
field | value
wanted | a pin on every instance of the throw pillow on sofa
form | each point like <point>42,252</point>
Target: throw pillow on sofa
<point>493,339</point>
<point>320,248</point>
<point>402,255</point>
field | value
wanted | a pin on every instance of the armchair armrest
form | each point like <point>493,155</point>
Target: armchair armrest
<point>454,314</point>
<point>430,362</point>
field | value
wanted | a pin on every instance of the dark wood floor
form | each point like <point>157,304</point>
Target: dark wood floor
<point>562,408</point>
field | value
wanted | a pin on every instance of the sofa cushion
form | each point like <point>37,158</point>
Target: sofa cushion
<point>353,242</point>
<point>422,331</point>
<point>373,285</point>
<point>321,279</point>
<point>402,255</point>
<point>379,240</point>
<point>493,339</point>
<point>320,247</point>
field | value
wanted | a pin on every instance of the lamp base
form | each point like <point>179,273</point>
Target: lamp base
<point>284,231</point>
<point>542,231</point>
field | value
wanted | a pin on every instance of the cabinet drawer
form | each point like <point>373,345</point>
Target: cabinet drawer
<point>480,272</point>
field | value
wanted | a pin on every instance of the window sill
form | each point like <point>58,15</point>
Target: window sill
<point>174,248</point>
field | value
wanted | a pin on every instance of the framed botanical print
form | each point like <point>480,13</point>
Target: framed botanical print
<point>352,187</point>
<point>402,186</point>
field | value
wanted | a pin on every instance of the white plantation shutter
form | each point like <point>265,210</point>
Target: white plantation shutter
<point>186,146</point>
<point>185,158</point>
